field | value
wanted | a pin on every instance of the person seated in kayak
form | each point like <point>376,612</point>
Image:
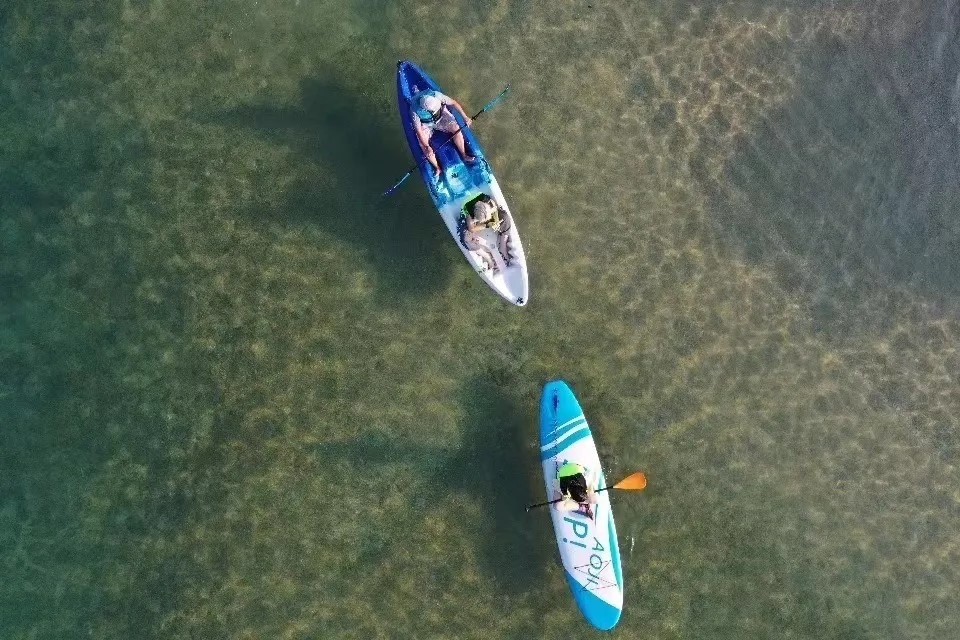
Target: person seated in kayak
<point>485,214</point>
<point>575,488</point>
<point>432,113</point>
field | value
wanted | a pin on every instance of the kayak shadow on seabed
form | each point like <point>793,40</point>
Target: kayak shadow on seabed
<point>494,467</point>
<point>354,144</point>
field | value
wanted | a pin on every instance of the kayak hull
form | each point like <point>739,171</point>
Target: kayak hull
<point>460,184</point>
<point>588,547</point>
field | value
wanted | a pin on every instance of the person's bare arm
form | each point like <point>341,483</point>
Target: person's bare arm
<point>425,146</point>
<point>463,112</point>
<point>422,138</point>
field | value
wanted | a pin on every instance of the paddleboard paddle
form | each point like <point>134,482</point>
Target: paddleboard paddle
<point>633,482</point>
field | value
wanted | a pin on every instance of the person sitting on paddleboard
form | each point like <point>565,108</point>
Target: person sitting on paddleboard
<point>485,214</point>
<point>576,492</point>
<point>432,113</point>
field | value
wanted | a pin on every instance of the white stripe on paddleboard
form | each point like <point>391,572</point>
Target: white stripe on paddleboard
<point>563,437</point>
<point>568,422</point>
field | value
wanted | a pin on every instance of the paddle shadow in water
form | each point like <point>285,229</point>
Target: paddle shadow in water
<point>848,191</point>
<point>353,140</point>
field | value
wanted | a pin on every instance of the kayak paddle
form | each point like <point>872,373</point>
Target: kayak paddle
<point>633,482</point>
<point>490,105</point>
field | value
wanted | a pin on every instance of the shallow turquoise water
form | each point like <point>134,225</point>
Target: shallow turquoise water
<point>242,396</point>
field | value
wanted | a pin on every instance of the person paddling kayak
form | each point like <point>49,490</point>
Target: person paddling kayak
<point>576,491</point>
<point>431,112</point>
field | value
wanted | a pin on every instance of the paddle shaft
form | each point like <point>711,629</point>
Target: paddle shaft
<point>450,139</point>
<point>544,504</point>
<point>489,106</point>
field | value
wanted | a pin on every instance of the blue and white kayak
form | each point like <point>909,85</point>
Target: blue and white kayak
<point>588,547</point>
<point>459,186</point>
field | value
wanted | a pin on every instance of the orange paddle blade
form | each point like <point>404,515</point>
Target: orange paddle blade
<point>633,482</point>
